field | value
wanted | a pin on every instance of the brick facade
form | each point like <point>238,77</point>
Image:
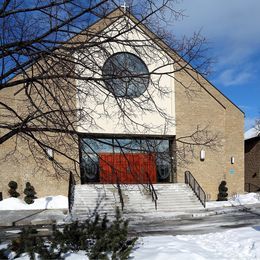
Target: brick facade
<point>204,106</point>
<point>197,104</point>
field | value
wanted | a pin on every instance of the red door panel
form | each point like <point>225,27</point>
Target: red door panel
<point>128,168</point>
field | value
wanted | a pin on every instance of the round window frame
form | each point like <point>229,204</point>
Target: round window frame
<point>107,85</point>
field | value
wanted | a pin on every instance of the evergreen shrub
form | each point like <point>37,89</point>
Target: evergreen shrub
<point>30,193</point>
<point>100,238</point>
<point>12,191</point>
<point>222,195</point>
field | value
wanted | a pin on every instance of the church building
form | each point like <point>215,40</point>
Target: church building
<point>152,120</point>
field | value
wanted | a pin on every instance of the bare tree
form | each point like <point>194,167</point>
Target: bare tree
<point>51,82</point>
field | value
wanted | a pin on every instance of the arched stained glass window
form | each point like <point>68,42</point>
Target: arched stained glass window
<point>125,75</point>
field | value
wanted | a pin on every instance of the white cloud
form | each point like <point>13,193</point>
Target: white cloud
<point>232,27</point>
<point>234,19</point>
<point>231,77</point>
<point>233,30</point>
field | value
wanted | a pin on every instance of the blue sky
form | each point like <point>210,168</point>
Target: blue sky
<point>232,29</point>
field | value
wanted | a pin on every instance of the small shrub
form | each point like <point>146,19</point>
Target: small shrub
<point>222,195</point>
<point>111,239</point>
<point>30,193</point>
<point>98,237</point>
<point>12,191</point>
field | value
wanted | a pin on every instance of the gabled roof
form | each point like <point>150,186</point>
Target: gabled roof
<point>118,13</point>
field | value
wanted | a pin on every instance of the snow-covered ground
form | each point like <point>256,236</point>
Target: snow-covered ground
<point>239,243</point>
<point>239,199</point>
<point>50,202</point>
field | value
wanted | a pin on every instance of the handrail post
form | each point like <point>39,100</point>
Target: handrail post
<point>72,184</point>
<point>152,190</point>
<point>120,196</point>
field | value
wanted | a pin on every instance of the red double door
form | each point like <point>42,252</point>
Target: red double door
<point>127,168</point>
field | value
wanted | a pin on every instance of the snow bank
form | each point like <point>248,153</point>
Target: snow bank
<point>49,202</point>
<point>239,199</point>
<point>249,198</point>
<point>240,243</point>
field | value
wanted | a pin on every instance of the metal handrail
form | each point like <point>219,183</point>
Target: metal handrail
<point>252,184</point>
<point>152,191</point>
<point>72,184</point>
<point>192,182</point>
<point>120,195</point>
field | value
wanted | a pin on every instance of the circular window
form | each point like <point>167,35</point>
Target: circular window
<point>125,75</point>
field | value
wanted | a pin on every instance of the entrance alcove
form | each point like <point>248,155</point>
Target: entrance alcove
<point>126,160</point>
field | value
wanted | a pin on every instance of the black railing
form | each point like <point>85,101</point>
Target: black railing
<point>250,187</point>
<point>120,195</point>
<point>200,193</point>
<point>152,191</point>
<point>72,184</point>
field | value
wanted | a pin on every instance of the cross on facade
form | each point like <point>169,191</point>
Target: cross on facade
<point>124,6</point>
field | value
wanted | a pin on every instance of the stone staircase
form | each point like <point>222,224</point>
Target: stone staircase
<point>173,197</point>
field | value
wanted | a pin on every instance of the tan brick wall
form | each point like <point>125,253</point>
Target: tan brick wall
<point>21,167</point>
<point>200,104</point>
<point>18,163</point>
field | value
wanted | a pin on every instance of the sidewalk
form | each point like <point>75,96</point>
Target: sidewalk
<point>205,221</point>
<point>58,216</point>
<point>32,217</point>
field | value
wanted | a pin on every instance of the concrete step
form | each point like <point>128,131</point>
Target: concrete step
<point>149,201</point>
<point>137,199</point>
<point>81,214</point>
<point>127,202</point>
<point>110,187</point>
